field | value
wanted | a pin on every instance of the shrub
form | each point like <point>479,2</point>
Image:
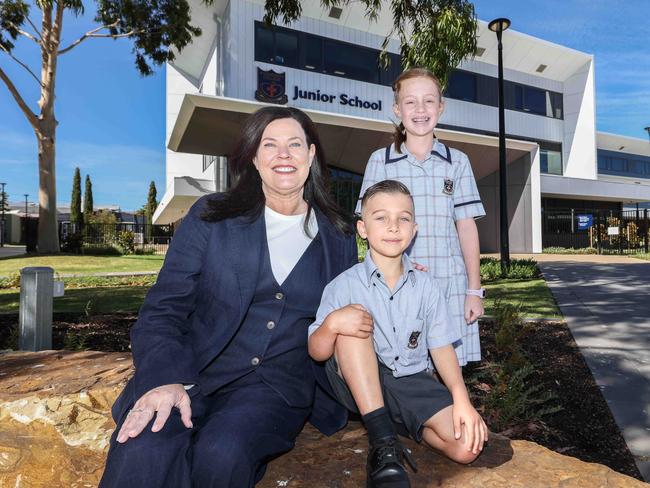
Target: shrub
<point>141,251</point>
<point>73,243</point>
<point>520,269</point>
<point>101,250</point>
<point>569,250</point>
<point>126,241</point>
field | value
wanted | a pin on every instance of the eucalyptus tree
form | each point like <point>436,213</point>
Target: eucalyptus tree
<point>436,34</point>
<point>155,28</point>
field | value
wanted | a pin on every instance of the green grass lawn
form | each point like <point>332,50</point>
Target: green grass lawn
<point>75,263</point>
<point>534,296</point>
<point>103,299</point>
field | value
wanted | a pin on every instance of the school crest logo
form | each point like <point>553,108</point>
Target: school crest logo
<point>448,187</point>
<point>413,340</point>
<point>271,87</point>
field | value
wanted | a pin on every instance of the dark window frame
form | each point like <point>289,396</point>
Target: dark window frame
<point>632,165</point>
<point>385,76</point>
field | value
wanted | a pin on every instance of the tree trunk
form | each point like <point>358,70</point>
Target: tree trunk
<point>48,232</point>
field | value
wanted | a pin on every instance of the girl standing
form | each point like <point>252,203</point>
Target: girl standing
<point>446,201</point>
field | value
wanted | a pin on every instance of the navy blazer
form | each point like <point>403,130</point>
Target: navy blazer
<point>200,299</point>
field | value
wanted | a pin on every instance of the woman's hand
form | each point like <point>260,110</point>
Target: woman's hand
<point>473,308</point>
<point>159,401</point>
<point>352,320</point>
<point>467,418</point>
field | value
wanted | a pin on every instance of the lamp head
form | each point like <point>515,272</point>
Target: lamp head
<point>499,25</point>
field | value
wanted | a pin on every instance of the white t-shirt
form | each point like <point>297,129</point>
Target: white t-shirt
<point>287,240</point>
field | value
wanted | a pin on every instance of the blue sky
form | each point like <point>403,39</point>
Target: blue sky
<point>111,120</point>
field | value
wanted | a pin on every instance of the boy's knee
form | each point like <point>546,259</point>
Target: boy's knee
<point>461,455</point>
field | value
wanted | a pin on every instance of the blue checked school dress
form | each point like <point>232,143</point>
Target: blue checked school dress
<point>444,191</point>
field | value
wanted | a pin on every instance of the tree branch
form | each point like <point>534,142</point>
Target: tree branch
<point>31,117</point>
<point>21,64</point>
<point>38,33</point>
<point>24,33</point>
<point>92,33</point>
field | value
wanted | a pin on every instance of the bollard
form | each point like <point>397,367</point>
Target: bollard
<point>36,292</point>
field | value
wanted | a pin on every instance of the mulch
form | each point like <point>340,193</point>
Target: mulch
<point>584,427</point>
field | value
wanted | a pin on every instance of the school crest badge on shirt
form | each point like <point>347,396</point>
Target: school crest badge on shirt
<point>413,340</point>
<point>448,187</point>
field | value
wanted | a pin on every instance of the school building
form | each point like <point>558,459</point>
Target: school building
<point>326,64</point>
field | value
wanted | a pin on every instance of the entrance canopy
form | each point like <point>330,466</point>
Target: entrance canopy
<point>211,125</point>
<point>582,189</point>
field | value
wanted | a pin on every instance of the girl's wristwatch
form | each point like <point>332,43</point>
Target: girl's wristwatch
<point>477,293</point>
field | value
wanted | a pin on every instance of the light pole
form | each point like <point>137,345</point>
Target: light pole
<point>2,223</point>
<point>26,214</point>
<point>498,26</point>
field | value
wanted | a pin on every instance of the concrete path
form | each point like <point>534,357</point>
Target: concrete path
<point>606,303</point>
<point>11,250</point>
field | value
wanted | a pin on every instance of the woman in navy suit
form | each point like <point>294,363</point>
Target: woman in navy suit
<point>223,382</point>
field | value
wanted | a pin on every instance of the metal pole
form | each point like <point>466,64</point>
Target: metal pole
<point>645,230</point>
<point>503,177</point>
<point>2,223</point>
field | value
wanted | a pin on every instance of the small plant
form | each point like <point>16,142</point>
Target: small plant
<point>11,281</point>
<point>362,248</point>
<point>91,308</point>
<point>141,251</point>
<point>75,341</point>
<point>514,399</point>
<point>511,395</point>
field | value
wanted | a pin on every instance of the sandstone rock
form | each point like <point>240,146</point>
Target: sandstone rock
<point>55,424</point>
<point>55,416</point>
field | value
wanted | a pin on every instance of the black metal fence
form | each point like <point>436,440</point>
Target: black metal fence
<point>124,237</point>
<point>607,231</point>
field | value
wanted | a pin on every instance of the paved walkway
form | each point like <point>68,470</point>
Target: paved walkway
<point>606,302</point>
<point>11,250</point>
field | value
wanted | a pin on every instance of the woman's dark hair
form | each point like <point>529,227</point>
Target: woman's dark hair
<point>245,196</point>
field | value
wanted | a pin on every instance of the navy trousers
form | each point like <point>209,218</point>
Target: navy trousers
<point>237,431</point>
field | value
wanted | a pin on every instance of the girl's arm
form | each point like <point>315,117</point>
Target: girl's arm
<point>469,245</point>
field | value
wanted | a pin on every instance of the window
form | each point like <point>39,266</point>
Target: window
<point>356,63</point>
<point>462,86</point>
<point>619,164</point>
<point>534,100</point>
<point>313,53</point>
<point>295,49</point>
<point>550,162</point>
<point>207,161</point>
<point>483,89</point>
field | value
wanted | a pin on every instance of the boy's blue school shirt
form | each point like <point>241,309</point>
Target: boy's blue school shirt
<point>408,320</point>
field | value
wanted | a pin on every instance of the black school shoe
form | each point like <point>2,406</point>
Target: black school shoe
<point>385,466</point>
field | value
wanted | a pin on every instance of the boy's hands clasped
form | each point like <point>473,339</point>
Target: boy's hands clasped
<point>352,320</point>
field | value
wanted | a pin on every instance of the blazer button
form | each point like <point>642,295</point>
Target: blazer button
<point>270,325</point>
<point>279,296</point>
<point>255,361</point>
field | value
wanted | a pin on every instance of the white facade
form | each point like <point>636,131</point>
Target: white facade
<point>211,87</point>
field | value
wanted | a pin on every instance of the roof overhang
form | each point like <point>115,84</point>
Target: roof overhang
<point>583,189</point>
<point>179,197</point>
<point>211,125</point>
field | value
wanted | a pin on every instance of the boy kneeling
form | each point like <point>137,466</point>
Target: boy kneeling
<point>376,326</point>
